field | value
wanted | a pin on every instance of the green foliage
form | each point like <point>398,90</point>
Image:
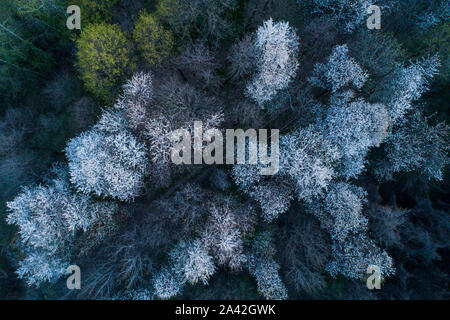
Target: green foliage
<point>104,58</point>
<point>154,42</point>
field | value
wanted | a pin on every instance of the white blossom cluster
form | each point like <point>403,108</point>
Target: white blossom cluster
<point>308,159</point>
<point>307,163</point>
<point>406,85</point>
<point>167,283</point>
<point>192,260</point>
<point>339,71</point>
<point>223,236</point>
<point>137,95</point>
<point>48,217</point>
<point>107,160</point>
<point>355,126</point>
<point>352,257</point>
<point>274,197</point>
<point>340,212</point>
<point>277,47</point>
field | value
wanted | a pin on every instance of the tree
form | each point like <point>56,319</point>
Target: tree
<point>199,65</point>
<point>352,257</point>
<point>182,104</point>
<point>48,217</point>
<point>94,11</point>
<point>137,95</point>
<point>192,261</point>
<point>264,268</point>
<point>415,145</point>
<point>208,19</point>
<point>243,57</point>
<point>189,262</point>
<point>185,210</point>
<point>274,197</point>
<point>303,251</point>
<point>154,42</point>
<point>167,283</point>
<point>273,193</point>
<point>176,106</point>
<point>386,223</point>
<point>306,168</point>
<point>224,233</point>
<point>425,14</point>
<point>349,13</point>
<point>340,212</point>
<point>277,47</point>
<point>354,126</point>
<point>379,53</point>
<point>406,85</point>
<point>28,29</point>
<point>107,160</point>
<point>308,159</point>
<point>339,71</point>
<point>103,58</point>
<point>40,266</point>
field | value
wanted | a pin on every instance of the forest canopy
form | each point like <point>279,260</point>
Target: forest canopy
<point>86,176</point>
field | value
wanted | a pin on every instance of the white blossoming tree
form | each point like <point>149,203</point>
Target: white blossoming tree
<point>223,236</point>
<point>340,212</point>
<point>354,126</point>
<point>307,163</point>
<point>107,160</point>
<point>308,159</point>
<point>189,262</point>
<point>406,85</point>
<point>191,259</point>
<point>352,257</point>
<point>167,283</point>
<point>48,217</point>
<point>137,95</point>
<point>339,71</point>
<point>277,50</point>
